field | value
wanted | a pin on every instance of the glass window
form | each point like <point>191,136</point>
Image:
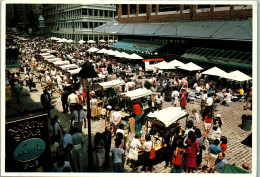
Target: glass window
<point>142,8</point>
<point>85,24</point>
<point>165,8</point>
<point>222,5</point>
<point>90,24</point>
<point>154,8</point>
<point>132,8</point>
<point>84,11</point>
<point>186,7</point>
<point>203,6</point>
<point>124,9</point>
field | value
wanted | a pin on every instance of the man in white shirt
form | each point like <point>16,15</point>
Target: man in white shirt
<point>136,144</point>
<point>158,101</point>
<point>116,118</point>
<point>73,101</point>
<point>208,106</point>
<point>175,96</point>
<point>120,129</point>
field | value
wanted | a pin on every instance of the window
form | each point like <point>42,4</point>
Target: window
<point>142,9</point>
<point>101,13</point>
<point>154,8</point>
<point>84,11</point>
<point>124,9</point>
<point>222,5</point>
<point>95,12</point>
<point>132,8</point>
<point>164,8</point>
<point>186,7</point>
<point>85,24</point>
<point>90,24</point>
<point>203,6</point>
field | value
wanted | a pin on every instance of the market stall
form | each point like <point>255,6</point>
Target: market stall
<point>69,67</point>
<point>53,60</point>
<point>60,63</point>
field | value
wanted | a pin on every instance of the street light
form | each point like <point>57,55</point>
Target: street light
<point>86,72</point>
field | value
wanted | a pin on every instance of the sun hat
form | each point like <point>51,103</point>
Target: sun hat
<point>218,115</point>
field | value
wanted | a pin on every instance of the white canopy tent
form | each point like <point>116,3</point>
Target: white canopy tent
<point>176,63</point>
<point>102,51</point>
<point>53,51</point>
<point>138,93</point>
<point>102,40</point>
<point>168,115</point>
<point>157,65</point>
<point>113,83</point>
<point>45,54</point>
<point>164,65</point>
<point>62,40</point>
<point>69,41</point>
<point>82,41</point>
<point>74,71</point>
<point>191,67</point>
<point>53,60</point>
<point>44,50</point>
<point>91,41</point>
<point>111,40</point>
<point>69,66</point>
<point>238,76</point>
<point>215,71</point>
<point>135,57</point>
<point>93,49</point>
<point>49,57</point>
<point>60,63</point>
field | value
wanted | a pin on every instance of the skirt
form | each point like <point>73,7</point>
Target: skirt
<point>212,158</point>
<point>94,111</point>
<point>100,155</point>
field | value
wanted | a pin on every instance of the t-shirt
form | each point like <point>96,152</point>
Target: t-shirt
<point>223,147</point>
<point>116,116</point>
<point>209,101</point>
<point>137,109</point>
<point>214,149</point>
<point>77,138</point>
<point>120,131</point>
<point>158,100</point>
<point>148,146</point>
<point>135,143</point>
<point>117,155</point>
<point>175,94</point>
<point>207,120</point>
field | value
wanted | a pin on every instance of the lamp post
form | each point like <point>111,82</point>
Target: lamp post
<point>86,72</point>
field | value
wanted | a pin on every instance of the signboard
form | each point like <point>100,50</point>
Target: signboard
<point>27,144</point>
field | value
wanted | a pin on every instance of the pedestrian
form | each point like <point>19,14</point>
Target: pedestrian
<point>216,127</point>
<point>67,138</point>
<point>195,116</point>
<point>116,119</point>
<point>135,144</point>
<point>73,101</point>
<point>8,93</point>
<point>214,149</point>
<point>147,147</point>
<point>183,99</point>
<point>191,152</point>
<point>158,101</point>
<point>175,96</point>
<point>107,135</point>
<point>223,144</point>
<point>201,140</point>
<point>118,157</point>
<point>46,102</point>
<point>60,164</point>
<point>99,146</point>
<point>170,146</point>
<point>77,141</point>
<point>78,117</point>
<point>64,100</point>
<point>208,106</point>
<point>208,121</point>
<point>138,115</point>
<point>179,150</point>
<point>220,162</point>
<point>94,108</point>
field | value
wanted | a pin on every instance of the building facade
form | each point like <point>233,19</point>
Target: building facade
<point>50,18</point>
<point>77,21</point>
<point>170,12</point>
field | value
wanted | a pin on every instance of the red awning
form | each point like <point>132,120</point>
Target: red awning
<point>153,59</point>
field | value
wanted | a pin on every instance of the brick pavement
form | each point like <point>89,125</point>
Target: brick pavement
<point>236,153</point>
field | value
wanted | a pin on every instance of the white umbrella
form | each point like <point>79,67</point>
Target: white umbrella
<point>110,40</point>
<point>191,67</point>
<point>82,41</point>
<point>45,54</point>
<point>158,65</point>
<point>62,40</point>
<point>102,40</point>
<point>176,63</point>
<point>91,41</point>
<point>165,65</point>
<point>215,71</point>
<point>238,76</point>
<point>111,52</point>
<point>69,41</point>
<point>93,49</point>
<point>120,55</point>
<point>102,51</point>
<point>135,56</point>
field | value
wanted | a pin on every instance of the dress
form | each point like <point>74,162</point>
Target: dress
<point>94,109</point>
<point>183,102</point>
<point>100,153</point>
<point>191,151</point>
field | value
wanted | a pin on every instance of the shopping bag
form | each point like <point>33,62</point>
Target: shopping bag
<point>152,154</point>
<point>176,160</point>
<point>133,154</point>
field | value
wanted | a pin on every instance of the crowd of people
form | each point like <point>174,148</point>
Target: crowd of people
<point>184,147</point>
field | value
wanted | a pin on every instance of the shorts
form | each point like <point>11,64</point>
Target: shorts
<point>208,126</point>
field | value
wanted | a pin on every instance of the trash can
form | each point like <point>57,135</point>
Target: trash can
<point>168,96</point>
<point>246,122</point>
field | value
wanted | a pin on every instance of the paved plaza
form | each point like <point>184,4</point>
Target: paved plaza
<point>237,152</point>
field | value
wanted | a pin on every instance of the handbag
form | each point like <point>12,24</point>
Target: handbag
<point>133,154</point>
<point>176,160</point>
<point>152,154</point>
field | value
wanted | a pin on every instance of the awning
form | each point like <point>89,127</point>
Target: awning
<point>110,84</point>
<point>168,115</point>
<point>69,66</point>
<point>240,30</point>
<point>138,93</point>
<point>153,59</point>
<point>53,60</point>
<point>44,54</point>
<point>49,57</point>
<point>238,59</point>
<point>59,63</point>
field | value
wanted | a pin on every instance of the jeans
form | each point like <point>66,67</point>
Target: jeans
<point>138,123</point>
<point>118,167</point>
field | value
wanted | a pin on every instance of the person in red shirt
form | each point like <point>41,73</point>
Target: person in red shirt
<point>223,144</point>
<point>207,125</point>
<point>138,115</point>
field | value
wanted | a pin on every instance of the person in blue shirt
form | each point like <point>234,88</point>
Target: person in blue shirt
<point>214,149</point>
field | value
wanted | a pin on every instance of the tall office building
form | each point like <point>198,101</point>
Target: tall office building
<point>76,21</point>
<point>50,18</point>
